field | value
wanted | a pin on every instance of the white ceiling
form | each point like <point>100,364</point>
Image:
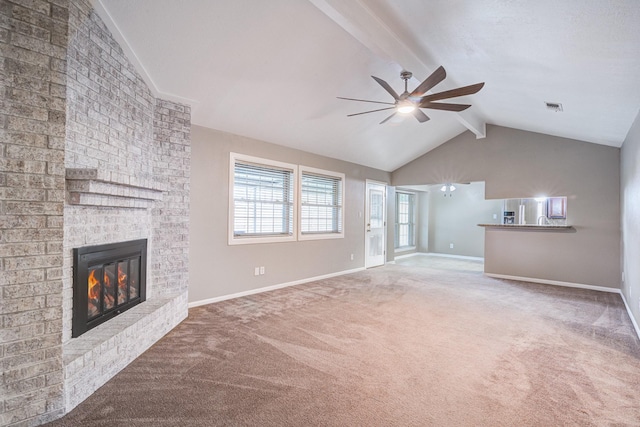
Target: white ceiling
<point>272,70</point>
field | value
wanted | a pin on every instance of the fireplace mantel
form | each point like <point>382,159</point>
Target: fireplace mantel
<point>94,187</point>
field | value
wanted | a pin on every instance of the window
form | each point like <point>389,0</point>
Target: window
<point>321,201</point>
<point>262,200</point>
<point>267,205</point>
<point>405,220</point>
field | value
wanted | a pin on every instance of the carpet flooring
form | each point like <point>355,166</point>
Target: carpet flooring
<point>399,345</point>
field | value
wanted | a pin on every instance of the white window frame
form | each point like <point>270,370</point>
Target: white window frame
<point>326,173</point>
<point>239,240</point>
<point>412,224</point>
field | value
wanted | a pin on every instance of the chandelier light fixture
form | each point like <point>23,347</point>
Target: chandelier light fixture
<point>447,189</point>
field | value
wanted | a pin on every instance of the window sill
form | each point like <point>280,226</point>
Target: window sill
<point>303,237</point>
<point>258,240</point>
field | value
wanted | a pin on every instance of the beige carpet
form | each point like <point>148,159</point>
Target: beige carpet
<point>392,346</point>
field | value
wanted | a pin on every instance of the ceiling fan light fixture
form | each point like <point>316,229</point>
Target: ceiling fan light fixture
<point>406,106</point>
<point>413,102</point>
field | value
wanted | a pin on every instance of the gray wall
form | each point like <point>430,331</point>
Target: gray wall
<point>515,163</point>
<point>455,220</point>
<point>217,269</point>
<point>630,191</point>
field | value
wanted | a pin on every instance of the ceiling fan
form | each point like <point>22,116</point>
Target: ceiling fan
<point>406,102</point>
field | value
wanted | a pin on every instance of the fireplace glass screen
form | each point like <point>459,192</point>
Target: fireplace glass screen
<point>108,279</point>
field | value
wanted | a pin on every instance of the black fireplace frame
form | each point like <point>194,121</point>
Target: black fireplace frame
<point>90,256</point>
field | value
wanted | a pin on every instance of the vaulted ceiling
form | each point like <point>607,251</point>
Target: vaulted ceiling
<point>272,70</point>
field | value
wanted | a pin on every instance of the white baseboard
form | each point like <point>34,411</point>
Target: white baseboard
<point>271,288</point>
<point>472,258</point>
<point>555,282</point>
<point>633,320</point>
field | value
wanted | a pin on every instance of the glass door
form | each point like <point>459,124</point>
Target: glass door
<point>375,224</point>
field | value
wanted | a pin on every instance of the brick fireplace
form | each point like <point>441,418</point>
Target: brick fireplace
<point>89,155</point>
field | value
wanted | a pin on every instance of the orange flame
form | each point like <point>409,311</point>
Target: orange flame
<point>94,286</point>
<point>108,297</point>
<point>122,277</point>
<point>122,285</point>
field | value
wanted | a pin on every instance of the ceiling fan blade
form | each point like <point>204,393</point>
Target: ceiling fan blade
<point>444,106</point>
<point>453,93</point>
<point>364,100</point>
<point>372,111</point>
<point>386,87</point>
<point>385,120</point>
<point>436,77</point>
<point>420,116</point>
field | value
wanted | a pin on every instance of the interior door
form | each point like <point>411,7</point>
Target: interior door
<point>375,224</point>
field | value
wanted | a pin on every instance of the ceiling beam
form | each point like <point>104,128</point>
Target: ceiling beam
<point>356,18</point>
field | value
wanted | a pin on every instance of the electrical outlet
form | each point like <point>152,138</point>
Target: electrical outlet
<point>450,245</point>
<point>351,257</point>
<point>262,270</point>
<point>256,271</point>
<point>495,216</point>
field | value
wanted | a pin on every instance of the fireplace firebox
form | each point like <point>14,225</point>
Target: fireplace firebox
<point>107,280</point>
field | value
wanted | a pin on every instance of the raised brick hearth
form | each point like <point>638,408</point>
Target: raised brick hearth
<point>88,156</point>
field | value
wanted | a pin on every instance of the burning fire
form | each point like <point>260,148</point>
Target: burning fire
<point>108,290</point>
<point>122,285</point>
<point>116,287</point>
<point>94,294</point>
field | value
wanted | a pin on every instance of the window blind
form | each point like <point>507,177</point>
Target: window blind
<point>263,200</point>
<point>321,204</point>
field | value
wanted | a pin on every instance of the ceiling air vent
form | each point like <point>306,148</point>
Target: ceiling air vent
<point>554,106</point>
